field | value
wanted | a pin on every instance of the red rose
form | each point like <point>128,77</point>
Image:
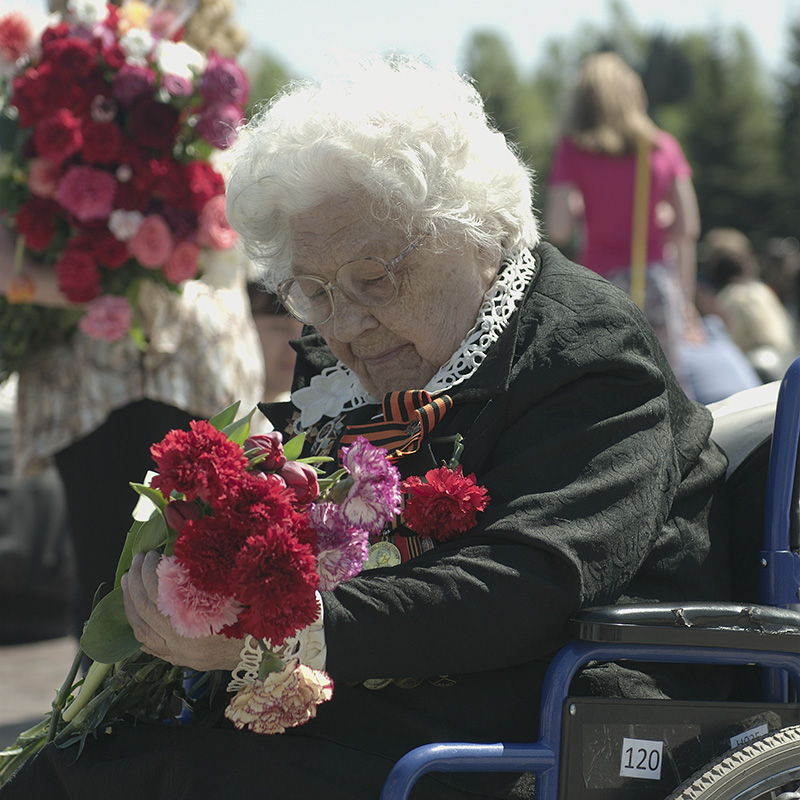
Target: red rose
<point>58,137</point>
<point>114,56</point>
<point>204,182</point>
<point>129,198</point>
<point>445,505</point>
<point>108,250</point>
<point>78,275</point>
<point>101,142</point>
<point>36,222</point>
<point>154,124</point>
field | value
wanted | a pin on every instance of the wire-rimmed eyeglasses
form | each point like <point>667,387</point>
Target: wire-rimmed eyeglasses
<point>367,282</point>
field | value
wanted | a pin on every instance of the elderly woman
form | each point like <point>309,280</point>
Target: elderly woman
<point>397,224</point>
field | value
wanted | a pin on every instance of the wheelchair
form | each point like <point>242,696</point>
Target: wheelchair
<point>743,749</point>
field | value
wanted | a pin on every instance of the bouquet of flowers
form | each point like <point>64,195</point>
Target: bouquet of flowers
<point>249,532</point>
<point>108,127</point>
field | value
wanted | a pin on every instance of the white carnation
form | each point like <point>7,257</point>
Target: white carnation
<point>88,12</point>
<point>137,44</point>
<point>124,224</point>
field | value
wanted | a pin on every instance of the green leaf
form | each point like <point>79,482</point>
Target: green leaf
<point>293,449</point>
<point>108,636</point>
<point>153,495</point>
<point>239,430</point>
<point>225,417</point>
<point>142,537</point>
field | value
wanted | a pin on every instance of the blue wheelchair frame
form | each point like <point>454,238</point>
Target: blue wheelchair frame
<point>767,635</point>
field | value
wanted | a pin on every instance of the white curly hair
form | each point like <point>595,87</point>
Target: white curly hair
<point>411,138</point>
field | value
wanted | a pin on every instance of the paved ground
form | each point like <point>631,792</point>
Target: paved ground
<point>30,675</point>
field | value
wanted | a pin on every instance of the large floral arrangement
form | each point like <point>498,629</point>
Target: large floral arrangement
<point>108,127</point>
<point>249,532</point>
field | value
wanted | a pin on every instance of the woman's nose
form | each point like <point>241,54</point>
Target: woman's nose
<point>350,320</point>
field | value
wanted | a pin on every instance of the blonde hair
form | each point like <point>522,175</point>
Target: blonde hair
<point>608,111</point>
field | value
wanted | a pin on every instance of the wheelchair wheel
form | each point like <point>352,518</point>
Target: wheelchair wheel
<point>767,769</point>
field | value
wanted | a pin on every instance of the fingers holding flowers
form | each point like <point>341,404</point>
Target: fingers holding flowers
<point>155,631</point>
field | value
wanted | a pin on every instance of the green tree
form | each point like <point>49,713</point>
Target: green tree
<point>267,77</point>
<point>731,137</point>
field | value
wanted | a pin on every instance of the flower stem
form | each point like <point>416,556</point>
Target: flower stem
<point>63,694</point>
<point>94,677</point>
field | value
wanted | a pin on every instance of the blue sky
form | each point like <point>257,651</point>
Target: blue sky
<point>301,32</point>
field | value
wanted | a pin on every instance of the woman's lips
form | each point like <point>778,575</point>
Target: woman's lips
<point>384,357</point>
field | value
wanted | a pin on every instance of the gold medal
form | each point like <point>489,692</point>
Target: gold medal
<point>382,554</point>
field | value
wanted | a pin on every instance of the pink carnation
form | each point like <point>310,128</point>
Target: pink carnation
<point>182,264</point>
<point>87,193</point>
<point>214,229</point>
<point>192,612</point>
<point>152,243</point>
<point>282,700</point>
<point>107,317</point>
<point>43,177</point>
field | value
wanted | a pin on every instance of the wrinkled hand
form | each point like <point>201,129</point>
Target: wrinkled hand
<point>154,631</point>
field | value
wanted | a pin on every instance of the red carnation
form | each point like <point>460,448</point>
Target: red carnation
<point>204,182</point>
<point>108,250</point>
<point>206,548</point>
<point>276,578</point>
<point>36,222</point>
<point>154,124</point>
<point>445,505</point>
<point>71,56</point>
<point>58,137</point>
<point>78,275</point>
<point>201,462</point>
<point>101,142</point>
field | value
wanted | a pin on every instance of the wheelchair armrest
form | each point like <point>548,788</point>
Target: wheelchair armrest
<point>726,625</point>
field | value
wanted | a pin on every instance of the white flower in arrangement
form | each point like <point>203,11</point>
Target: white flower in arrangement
<point>137,44</point>
<point>179,58</point>
<point>124,224</point>
<point>88,12</point>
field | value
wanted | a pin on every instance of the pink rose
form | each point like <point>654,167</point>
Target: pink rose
<point>107,317</point>
<point>301,479</point>
<point>177,85</point>
<point>213,227</point>
<point>152,244</point>
<point>133,82</point>
<point>182,264</point>
<point>43,176</point>
<point>224,81</point>
<point>217,124</point>
<point>270,449</point>
<point>86,192</point>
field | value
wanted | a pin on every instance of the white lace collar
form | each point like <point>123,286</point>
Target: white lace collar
<point>337,388</point>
